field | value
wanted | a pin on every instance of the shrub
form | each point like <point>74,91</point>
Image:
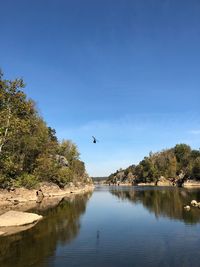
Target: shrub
<point>64,176</point>
<point>4,181</point>
<point>26,180</point>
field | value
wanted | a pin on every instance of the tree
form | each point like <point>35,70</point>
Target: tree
<point>13,107</point>
<point>182,153</point>
<point>196,169</point>
<point>69,150</point>
<point>29,149</point>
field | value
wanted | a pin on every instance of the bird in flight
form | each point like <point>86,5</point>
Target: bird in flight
<point>94,140</point>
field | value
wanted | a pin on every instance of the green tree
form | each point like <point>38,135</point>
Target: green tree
<point>69,150</point>
<point>29,149</point>
<point>182,153</point>
<point>196,169</point>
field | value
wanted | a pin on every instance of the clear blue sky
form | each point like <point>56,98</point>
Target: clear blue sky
<point>125,71</point>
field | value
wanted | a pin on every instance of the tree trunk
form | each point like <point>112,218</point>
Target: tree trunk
<point>3,139</point>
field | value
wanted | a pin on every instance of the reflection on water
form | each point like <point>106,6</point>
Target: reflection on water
<point>165,201</point>
<point>122,226</point>
<point>60,225</point>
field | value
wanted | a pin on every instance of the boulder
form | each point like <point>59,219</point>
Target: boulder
<point>2,233</point>
<point>6,231</point>
<point>62,161</point>
<point>18,218</point>
<point>49,189</point>
<point>163,181</point>
<point>194,203</point>
<point>68,187</point>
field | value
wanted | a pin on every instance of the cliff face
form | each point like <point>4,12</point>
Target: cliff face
<point>122,178</point>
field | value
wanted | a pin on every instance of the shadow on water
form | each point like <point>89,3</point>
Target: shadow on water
<point>59,226</point>
<point>163,201</point>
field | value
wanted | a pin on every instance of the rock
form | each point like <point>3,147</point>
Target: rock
<point>11,189</point>
<point>18,218</point>
<point>78,184</point>
<point>130,177</point>
<point>191,183</point>
<point>89,180</point>
<point>194,203</point>
<point>39,195</point>
<point>62,161</point>
<point>2,233</point>
<point>18,200</point>
<point>23,194</point>
<point>187,207</point>
<point>6,231</point>
<point>69,186</point>
<point>48,203</point>
<point>120,175</point>
<point>48,189</point>
<point>163,181</point>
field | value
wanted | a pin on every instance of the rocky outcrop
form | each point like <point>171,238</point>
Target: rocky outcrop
<point>122,178</point>
<point>130,177</point>
<point>5,231</point>
<point>14,219</point>
<point>24,199</point>
<point>13,222</point>
<point>62,161</point>
<point>194,203</point>
<point>18,218</point>
<point>163,182</point>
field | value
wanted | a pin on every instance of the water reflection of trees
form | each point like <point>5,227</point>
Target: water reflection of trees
<point>165,202</point>
<point>60,225</point>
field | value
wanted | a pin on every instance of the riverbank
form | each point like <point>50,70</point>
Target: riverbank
<point>15,203</point>
<point>189,183</point>
<point>23,199</point>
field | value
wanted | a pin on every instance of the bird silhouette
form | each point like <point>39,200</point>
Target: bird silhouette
<point>94,140</point>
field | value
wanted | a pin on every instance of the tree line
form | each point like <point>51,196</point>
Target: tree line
<point>179,162</point>
<point>29,149</point>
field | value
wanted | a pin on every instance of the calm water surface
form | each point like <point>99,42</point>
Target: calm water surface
<point>114,226</point>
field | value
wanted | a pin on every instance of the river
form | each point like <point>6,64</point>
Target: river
<point>113,226</point>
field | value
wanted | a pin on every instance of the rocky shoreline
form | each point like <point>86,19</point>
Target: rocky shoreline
<point>14,204</point>
<point>188,184</point>
<point>19,197</point>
